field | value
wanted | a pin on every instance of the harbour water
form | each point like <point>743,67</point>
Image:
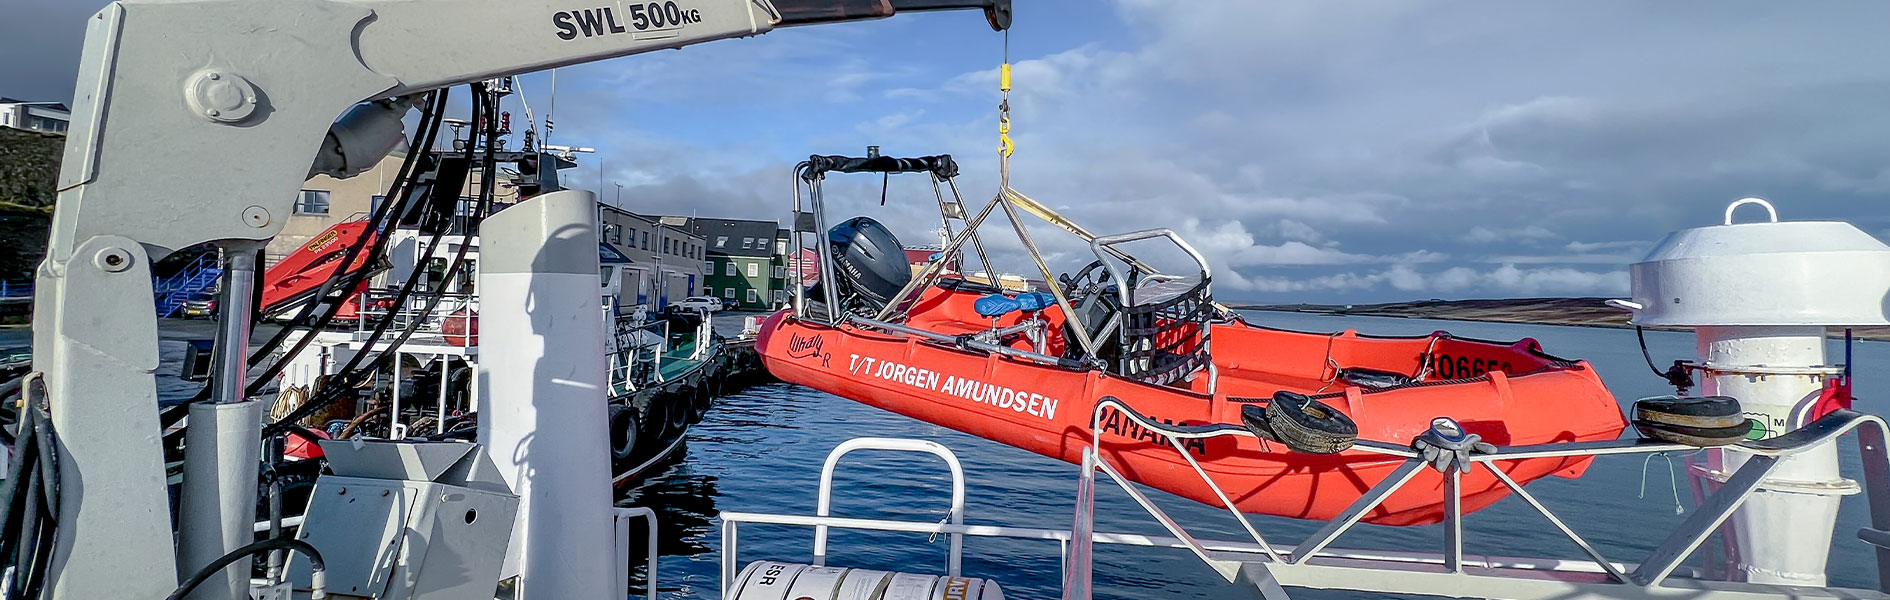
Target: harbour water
<point>761,451</point>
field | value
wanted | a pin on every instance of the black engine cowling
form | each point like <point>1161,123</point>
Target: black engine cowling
<point>871,264</point>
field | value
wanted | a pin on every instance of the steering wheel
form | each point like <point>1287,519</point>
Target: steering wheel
<point>1086,283</point>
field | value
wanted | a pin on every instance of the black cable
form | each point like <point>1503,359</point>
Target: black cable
<point>30,517</point>
<point>350,374</point>
<point>398,197</point>
<point>383,220</point>
<point>1676,376</point>
<point>314,562</point>
<point>1642,336</point>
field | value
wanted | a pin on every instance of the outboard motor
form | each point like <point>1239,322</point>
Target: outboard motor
<point>871,264</point>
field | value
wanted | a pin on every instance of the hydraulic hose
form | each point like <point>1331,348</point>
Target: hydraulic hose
<point>318,574</point>
<point>350,374</point>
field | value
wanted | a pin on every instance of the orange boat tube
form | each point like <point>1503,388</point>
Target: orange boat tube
<point>1509,393</point>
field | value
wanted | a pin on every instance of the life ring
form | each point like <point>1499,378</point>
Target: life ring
<point>1308,425</point>
<point>623,431</point>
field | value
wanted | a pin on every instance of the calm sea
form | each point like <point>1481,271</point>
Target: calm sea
<point>761,451</point>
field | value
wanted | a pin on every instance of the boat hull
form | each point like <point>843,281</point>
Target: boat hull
<point>1048,410</point>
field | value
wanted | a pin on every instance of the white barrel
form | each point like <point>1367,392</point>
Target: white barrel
<point>861,584</point>
<point>765,580</point>
<point>771,580</point>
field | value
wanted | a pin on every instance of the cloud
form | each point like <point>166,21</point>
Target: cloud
<point>1312,150</point>
<point>1575,246</point>
<point>1528,233</point>
<point>1505,280</point>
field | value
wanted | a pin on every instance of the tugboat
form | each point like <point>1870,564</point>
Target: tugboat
<point>659,366</point>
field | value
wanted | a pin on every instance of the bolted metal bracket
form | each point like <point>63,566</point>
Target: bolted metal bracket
<point>221,96</point>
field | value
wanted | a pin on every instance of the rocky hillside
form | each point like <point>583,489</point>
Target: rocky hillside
<point>29,174</point>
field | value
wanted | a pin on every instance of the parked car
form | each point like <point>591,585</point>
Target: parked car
<point>731,304</point>
<point>698,303</point>
<point>200,305</point>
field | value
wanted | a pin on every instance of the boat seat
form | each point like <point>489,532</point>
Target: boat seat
<point>997,305</point>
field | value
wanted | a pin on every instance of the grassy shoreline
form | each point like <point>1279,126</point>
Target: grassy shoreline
<point>1579,312</point>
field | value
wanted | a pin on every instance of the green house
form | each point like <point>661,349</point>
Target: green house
<point>745,261</point>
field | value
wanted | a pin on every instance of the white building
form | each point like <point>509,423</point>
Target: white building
<point>50,117</point>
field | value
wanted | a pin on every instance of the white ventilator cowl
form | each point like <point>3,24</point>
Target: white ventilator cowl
<point>1767,273</point>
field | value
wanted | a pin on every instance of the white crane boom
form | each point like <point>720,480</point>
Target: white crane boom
<point>195,121</point>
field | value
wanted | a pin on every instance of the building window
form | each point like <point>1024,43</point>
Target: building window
<point>730,270</point>
<point>708,268</point>
<point>666,245</point>
<point>753,296</point>
<point>708,291</point>
<point>721,241</point>
<point>748,243</point>
<point>780,296</point>
<point>754,269</point>
<point>312,202</point>
<point>728,292</point>
<point>646,241</point>
<point>780,272</point>
<point>780,247</point>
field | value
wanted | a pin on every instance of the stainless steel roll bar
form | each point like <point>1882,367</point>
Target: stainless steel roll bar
<point>1654,577</point>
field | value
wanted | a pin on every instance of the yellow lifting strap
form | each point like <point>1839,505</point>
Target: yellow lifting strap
<point>1005,145</point>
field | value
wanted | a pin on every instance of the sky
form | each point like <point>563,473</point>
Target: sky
<point>1312,151</point>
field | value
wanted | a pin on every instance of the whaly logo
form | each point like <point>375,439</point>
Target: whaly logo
<point>807,347</point>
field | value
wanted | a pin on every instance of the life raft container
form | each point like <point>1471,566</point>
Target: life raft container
<point>770,580</point>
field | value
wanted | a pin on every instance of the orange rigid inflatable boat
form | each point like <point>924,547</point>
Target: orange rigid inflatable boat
<point>1527,398</point>
<point>1013,368</point>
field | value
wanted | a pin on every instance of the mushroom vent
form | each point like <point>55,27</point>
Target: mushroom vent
<point>1826,273</point>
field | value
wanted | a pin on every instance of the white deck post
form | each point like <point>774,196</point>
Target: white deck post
<point>541,405</point>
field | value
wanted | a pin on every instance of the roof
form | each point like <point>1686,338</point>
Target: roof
<point>610,255</point>
<point>725,236</point>
<point>58,106</point>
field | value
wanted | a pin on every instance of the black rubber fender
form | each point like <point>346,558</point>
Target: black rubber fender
<point>1254,417</point>
<point>681,406</point>
<point>1308,425</point>
<point>705,395</point>
<point>1696,436</point>
<point>623,431</point>
<point>1704,412</point>
<point>1373,379</point>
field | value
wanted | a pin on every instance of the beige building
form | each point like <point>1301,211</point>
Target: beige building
<point>325,201</point>
<point>665,259</point>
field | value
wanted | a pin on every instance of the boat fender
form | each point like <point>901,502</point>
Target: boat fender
<point>623,431</point>
<point>1709,411</point>
<point>1308,425</point>
<point>1373,378</point>
<point>770,580</point>
<point>1703,437</point>
<point>1447,446</point>
<point>682,405</point>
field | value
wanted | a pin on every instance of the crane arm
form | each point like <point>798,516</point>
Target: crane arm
<point>196,121</point>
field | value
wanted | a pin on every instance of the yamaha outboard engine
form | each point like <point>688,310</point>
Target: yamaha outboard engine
<point>872,265</point>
